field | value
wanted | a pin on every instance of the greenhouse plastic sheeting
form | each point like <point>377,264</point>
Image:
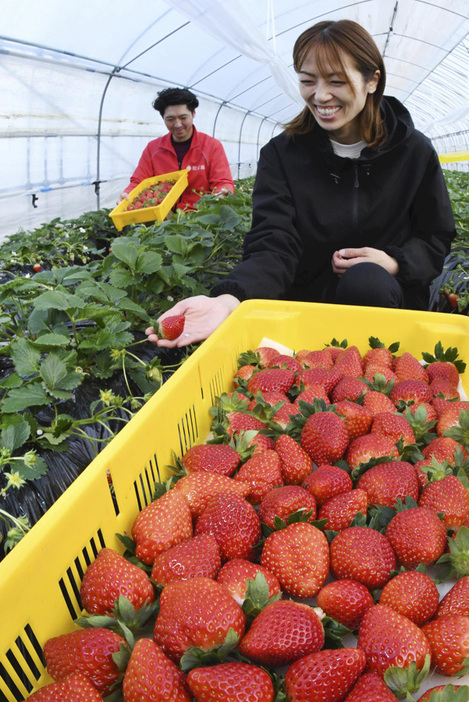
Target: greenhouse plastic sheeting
<point>78,81</point>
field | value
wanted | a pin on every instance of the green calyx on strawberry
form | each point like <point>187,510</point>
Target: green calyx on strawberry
<point>171,327</point>
<point>406,680</point>
<point>455,563</point>
<point>447,693</point>
<point>197,657</point>
<point>460,433</point>
<point>124,619</point>
<point>440,354</point>
<point>257,597</point>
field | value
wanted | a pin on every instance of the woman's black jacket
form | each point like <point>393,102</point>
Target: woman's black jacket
<point>308,202</point>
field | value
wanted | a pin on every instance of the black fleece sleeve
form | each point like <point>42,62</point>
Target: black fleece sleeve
<point>272,247</point>
<point>422,256</point>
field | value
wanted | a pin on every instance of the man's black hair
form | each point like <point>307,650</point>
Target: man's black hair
<point>175,96</point>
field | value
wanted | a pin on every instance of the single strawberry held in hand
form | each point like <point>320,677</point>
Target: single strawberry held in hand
<point>170,328</point>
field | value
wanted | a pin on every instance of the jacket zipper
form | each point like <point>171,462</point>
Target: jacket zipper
<point>356,186</point>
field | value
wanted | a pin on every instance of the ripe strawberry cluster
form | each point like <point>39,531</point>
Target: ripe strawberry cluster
<point>331,498</point>
<point>151,196</point>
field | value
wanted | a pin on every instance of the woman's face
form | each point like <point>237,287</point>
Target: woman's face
<point>333,103</point>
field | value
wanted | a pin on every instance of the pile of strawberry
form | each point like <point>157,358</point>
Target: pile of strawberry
<point>151,196</point>
<point>296,554</point>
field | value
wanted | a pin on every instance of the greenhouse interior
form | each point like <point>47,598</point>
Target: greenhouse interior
<point>272,506</point>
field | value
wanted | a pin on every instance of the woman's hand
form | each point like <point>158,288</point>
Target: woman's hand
<point>203,315</point>
<point>345,258</point>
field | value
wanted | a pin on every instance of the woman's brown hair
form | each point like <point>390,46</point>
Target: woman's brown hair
<point>331,40</point>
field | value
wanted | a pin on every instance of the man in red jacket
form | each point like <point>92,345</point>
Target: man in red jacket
<point>184,147</point>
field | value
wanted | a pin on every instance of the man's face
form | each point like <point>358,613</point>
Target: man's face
<point>178,119</point>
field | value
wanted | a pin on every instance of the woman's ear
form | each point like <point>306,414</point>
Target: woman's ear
<point>373,83</point>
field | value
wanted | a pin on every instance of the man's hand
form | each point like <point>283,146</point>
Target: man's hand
<point>203,315</point>
<point>345,258</point>
<point>123,196</point>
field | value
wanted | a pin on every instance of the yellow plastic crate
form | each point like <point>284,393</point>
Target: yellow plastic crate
<point>122,217</point>
<point>40,579</point>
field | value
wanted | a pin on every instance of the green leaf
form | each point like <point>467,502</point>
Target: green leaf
<point>15,436</point>
<point>149,262</point>
<point>121,278</point>
<point>25,357</point>
<point>56,376</point>
<point>58,300</point>
<point>126,251</point>
<point>31,395</point>
<point>51,339</point>
<point>11,381</point>
<point>31,472</point>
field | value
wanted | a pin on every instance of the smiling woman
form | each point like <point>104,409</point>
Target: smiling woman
<point>349,206</point>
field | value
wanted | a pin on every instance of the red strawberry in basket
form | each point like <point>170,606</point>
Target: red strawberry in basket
<point>299,556</point>
<point>413,594</point>
<point>341,509</point>
<point>445,693</point>
<point>407,367</point>
<point>199,488</point>
<point>236,574</point>
<point>165,522</point>
<point>327,481</point>
<point>346,601</point>
<point>170,327</point>
<point>456,601</point>
<point>364,448</point>
<point>213,458</point>
<point>193,558</point>
<point>110,576</point>
<point>196,613</point>
<point>284,501</point>
<point>151,675</point>
<point>269,379</point>
<point>450,497</point>
<point>357,418</point>
<point>87,651</point>
<point>417,535</point>
<point>370,687</point>
<point>295,464</point>
<point>234,523</point>
<point>363,554</point>
<point>325,676</point>
<point>263,472</point>
<point>387,482</point>
<point>449,641</point>
<point>238,681</point>
<point>282,633</point>
<point>388,639</point>
<point>325,437</point>
<point>74,688</point>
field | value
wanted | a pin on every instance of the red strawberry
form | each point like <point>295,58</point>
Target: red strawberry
<point>407,367</point>
<point>299,556</point>
<point>450,497</point>
<point>110,576</point>
<point>363,554</point>
<point>325,676</point>
<point>318,358</point>
<point>417,535</point>
<point>313,391</point>
<point>370,688</point>
<point>270,379</point>
<point>196,613</point>
<point>242,682</point>
<point>346,601</point>
<point>171,327</point>
<point>235,574</point>
<point>327,481</point>
<point>449,417</point>
<point>443,449</point>
<point>443,369</point>
<point>193,558</point>
<point>295,464</point>
<point>243,373</point>
<point>266,354</point>
<point>271,397</point>
<point>327,377</point>
<point>165,522</point>
<point>364,448</point>
<point>284,361</point>
<point>153,677</point>
<point>449,641</point>
<point>213,458</point>
<point>285,501</point>
<point>324,437</point>
<point>441,405</point>
<point>263,472</point>
<point>380,355</point>
<point>377,402</point>
<point>349,388</point>
<point>284,415</point>
<point>410,391</point>
<point>74,688</point>
<point>239,422</point>
<point>87,651</point>
<point>394,426</point>
<point>350,362</point>
<point>444,388</point>
<point>390,639</point>
<point>413,594</point>
<point>456,600</point>
<point>199,488</point>
<point>341,509</point>
<point>282,633</point>
<point>234,523</point>
<point>432,414</point>
<point>374,369</point>
<point>357,418</point>
<point>386,483</point>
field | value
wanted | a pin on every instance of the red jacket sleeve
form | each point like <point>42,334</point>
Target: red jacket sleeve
<point>220,173</point>
<point>144,170</point>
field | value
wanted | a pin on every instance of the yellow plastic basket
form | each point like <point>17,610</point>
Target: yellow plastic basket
<point>40,579</point>
<point>122,217</point>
